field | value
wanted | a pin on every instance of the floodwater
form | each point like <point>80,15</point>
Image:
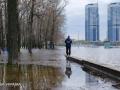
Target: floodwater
<point>49,70</point>
<point>29,77</point>
<point>37,77</point>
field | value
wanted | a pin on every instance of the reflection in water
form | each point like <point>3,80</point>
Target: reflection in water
<point>83,80</point>
<point>29,77</point>
<point>68,71</point>
<point>37,77</point>
<point>91,80</point>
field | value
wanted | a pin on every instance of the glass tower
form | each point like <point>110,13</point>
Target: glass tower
<point>114,22</point>
<point>91,23</point>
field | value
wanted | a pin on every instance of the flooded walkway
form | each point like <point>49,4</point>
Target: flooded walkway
<point>44,57</point>
<point>37,77</point>
<point>46,70</point>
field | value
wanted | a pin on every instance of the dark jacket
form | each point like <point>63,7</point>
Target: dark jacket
<point>68,42</point>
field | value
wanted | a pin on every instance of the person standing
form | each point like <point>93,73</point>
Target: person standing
<point>68,43</point>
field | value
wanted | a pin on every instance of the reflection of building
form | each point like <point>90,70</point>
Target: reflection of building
<point>114,22</point>
<point>90,80</point>
<point>91,23</point>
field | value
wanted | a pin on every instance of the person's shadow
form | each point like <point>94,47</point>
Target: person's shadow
<point>68,71</point>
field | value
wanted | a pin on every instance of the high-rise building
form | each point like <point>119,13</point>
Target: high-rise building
<point>114,22</point>
<point>91,23</point>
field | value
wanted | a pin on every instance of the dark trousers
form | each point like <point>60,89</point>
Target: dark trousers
<point>68,50</point>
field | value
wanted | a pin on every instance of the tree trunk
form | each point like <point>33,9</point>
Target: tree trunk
<point>12,30</point>
<point>52,32</point>
<point>31,28</point>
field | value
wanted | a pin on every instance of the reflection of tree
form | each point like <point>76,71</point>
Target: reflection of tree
<point>12,76</point>
<point>32,77</point>
<point>40,77</point>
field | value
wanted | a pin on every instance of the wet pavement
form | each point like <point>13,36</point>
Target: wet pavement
<point>107,57</point>
<point>49,70</point>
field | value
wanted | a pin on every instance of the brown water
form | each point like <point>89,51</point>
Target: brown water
<point>29,77</point>
<point>37,77</point>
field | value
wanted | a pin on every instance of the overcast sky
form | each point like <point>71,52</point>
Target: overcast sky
<point>75,17</point>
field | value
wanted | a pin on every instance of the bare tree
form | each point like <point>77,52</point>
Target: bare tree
<point>12,30</point>
<point>30,24</point>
